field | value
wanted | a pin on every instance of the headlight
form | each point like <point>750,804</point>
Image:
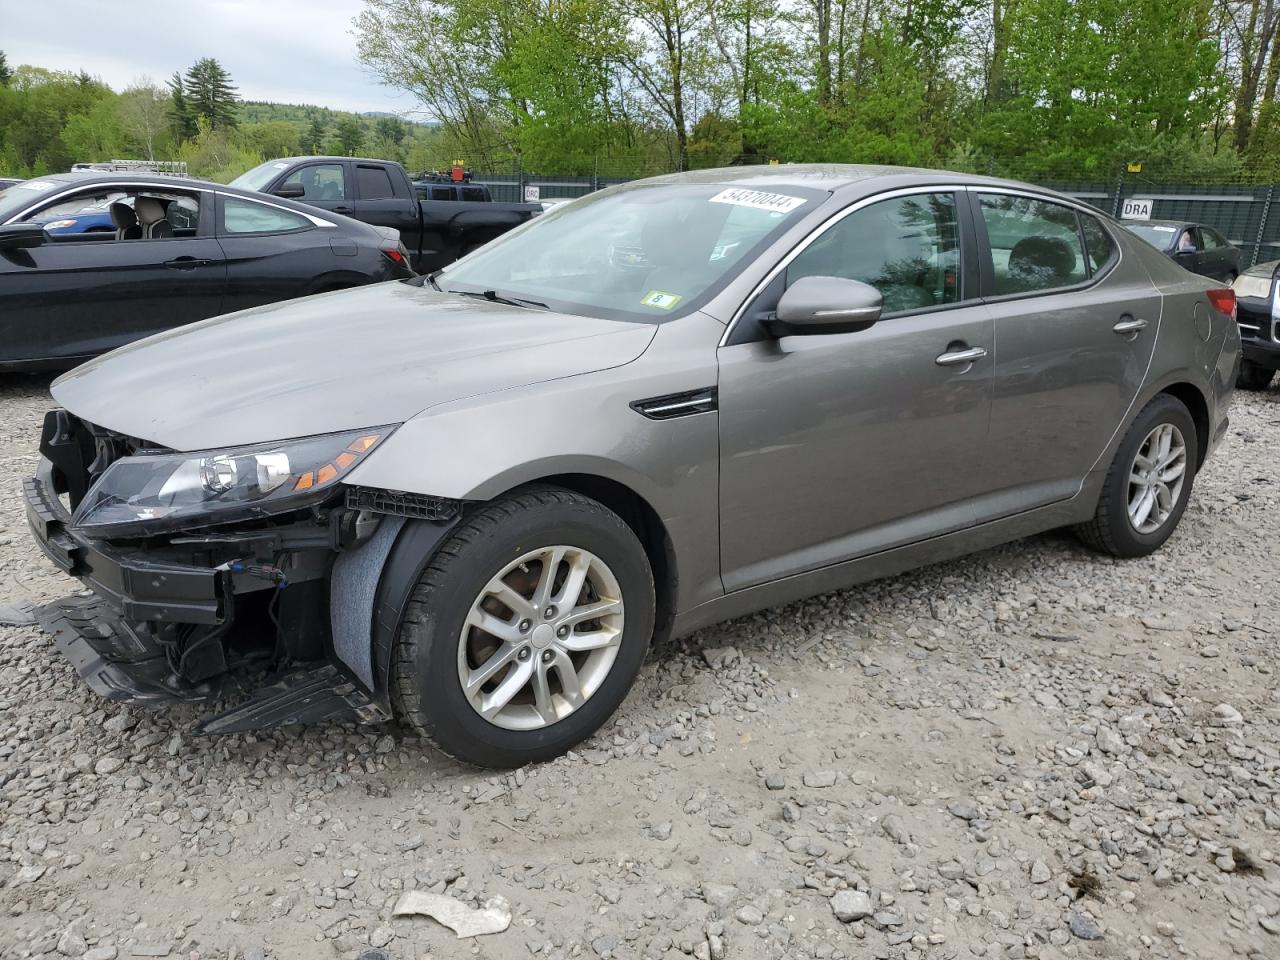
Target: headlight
<point>149,493</point>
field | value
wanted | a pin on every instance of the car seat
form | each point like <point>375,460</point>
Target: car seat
<point>151,215</point>
<point>1039,263</point>
<point>125,221</point>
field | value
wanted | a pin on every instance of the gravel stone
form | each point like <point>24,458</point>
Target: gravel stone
<point>850,905</point>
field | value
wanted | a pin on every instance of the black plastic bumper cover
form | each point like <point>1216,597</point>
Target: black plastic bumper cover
<point>139,589</point>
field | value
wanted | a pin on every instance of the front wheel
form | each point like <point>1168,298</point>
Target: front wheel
<point>1254,376</point>
<point>1148,484</point>
<point>525,630</point>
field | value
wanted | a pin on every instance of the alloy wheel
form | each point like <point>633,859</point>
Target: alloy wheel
<point>1156,478</point>
<point>540,638</point>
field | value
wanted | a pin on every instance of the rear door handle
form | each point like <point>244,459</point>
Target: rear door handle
<point>1129,326</point>
<point>186,263</point>
<point>957,357</point>
<point>341,209</point>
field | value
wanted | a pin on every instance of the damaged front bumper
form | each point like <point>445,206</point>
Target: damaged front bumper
<point>156,631</point>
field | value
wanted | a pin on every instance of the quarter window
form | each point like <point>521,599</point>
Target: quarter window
<point>1097,242</point>
<point>1035,245</point>
<point>320,181</point>
<point>908,248</point>
<point>246,216</point>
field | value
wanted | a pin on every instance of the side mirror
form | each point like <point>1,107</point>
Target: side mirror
<point>21,236</point>
<point>290,191</point>
<point>825,305</point>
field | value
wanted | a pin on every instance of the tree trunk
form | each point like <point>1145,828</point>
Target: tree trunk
<point>822,12</point>
<point>999,49</point>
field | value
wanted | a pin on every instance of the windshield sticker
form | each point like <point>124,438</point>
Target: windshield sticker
<point>35,185</point>
<point>758,200</point>
<point>279,166</point>
<point>663,301</point>
<point>1163,229</point>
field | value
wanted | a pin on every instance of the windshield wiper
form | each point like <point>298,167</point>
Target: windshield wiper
<point>493,297</point>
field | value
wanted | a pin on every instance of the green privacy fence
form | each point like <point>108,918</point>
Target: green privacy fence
<point>1242,214</point>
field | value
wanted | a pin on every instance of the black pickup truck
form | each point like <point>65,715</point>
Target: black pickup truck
<point>435,232</point>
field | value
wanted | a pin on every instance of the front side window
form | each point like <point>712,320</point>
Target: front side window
<point>246,216</point>
<point>645,251</point>
<point>320,181</point>
<point>1187,242</point>
<point>116,213</point>
<point>1035,244</point>
<point>908,248</point>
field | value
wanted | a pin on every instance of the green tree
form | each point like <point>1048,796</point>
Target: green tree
<point>314,137</point>
<point>271,138</point>
<point>6,74</point>
<point>182,119</point>
<point>350,134</point>
<point>142,110</point>
<point>210,93</point>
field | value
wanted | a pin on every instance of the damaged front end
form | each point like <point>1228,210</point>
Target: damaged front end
<point>210,568</point>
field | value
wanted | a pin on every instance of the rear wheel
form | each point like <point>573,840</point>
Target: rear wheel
<point>1254,376</point>
<point>1149,483</point>
<point>525,630</point>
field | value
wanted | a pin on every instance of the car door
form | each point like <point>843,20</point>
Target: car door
<point>274,253</point>
<point>78,295</point>
<point>1075,326</point>
<point>836,446</point>
<point>383,202</point>
<point>1219,260</point>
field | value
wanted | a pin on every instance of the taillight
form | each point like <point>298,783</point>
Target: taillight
<point>1224,301</point>
<point>396,254</point>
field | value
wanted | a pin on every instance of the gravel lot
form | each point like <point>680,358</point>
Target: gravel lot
<point>1033,752</point>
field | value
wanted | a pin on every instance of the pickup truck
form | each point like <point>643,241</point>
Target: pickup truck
<point>435,231</point>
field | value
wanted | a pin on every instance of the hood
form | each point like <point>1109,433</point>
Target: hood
<point>338,361</point>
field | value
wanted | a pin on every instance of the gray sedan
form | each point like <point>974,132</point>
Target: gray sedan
<point>473,501</point>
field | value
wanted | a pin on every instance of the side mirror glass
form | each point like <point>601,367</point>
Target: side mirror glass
<point>290,191</point>
<point>21,236</point>
<point>826,305</point>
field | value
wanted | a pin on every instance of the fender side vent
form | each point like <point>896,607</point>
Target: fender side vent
<point>416,506</point>
<point>677,404</point>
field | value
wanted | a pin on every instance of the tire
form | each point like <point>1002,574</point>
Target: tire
<point>1254,376</point>
<point>432,650</point>
<point>1112,530</point>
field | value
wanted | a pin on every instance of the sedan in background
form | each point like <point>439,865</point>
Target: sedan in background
<point>1198,248</point>
<point>493,491</point>
<point>7,182</point>
<point>90,262</point>
<point>1258,296</point>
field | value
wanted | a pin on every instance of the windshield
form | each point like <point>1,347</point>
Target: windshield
<point>24,194</point>
<point>259,176</point>
<point>646,252</point>
<point>1159,235</point>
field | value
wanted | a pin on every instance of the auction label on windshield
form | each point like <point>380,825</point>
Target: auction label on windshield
<point>663,301</point>
<point>759,199</point>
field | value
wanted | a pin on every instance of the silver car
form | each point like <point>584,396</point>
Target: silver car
<point>472,501</point>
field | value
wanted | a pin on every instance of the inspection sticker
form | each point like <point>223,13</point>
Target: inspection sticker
<point>775,202</point>
<point>663,301</point>
<point>35,185</point>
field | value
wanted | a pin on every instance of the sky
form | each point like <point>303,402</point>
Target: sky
<point>290,51</point>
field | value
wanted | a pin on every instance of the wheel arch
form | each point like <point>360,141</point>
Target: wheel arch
<point>1190,396</point>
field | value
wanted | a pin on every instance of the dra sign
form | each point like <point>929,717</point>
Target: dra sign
<point>532,194</point>
<point>1136,208</point>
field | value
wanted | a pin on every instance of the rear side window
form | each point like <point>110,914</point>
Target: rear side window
<point>374,183</point>
<point>245,216</point>
<point>473,193</point>
<point>1097,242</point>
<point>908,248</point>
<point>1211,239</point>
<point>1035,244</point>
<point>442,193</point>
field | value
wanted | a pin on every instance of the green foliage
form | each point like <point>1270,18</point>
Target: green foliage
<point>5,73</point>
<point>216,153</point>
<point>209,94</point>
<point>349,135</point>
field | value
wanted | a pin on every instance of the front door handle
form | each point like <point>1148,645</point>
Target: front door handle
<point>186,263</point>
<point>341,209</point>
<point>957,357</point>
<point>1125,327</point>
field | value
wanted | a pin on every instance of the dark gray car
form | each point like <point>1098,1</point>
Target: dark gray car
<point>1194,246</point>
<point>474,507</point>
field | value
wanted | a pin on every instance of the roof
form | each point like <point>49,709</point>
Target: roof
<point>837,176</point>
<point>1175,224</point>
<point>101,176</point>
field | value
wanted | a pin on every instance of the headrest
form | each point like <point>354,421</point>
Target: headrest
<point>149,210</point>
<point>1037,262</point>
<point>122,216</point>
